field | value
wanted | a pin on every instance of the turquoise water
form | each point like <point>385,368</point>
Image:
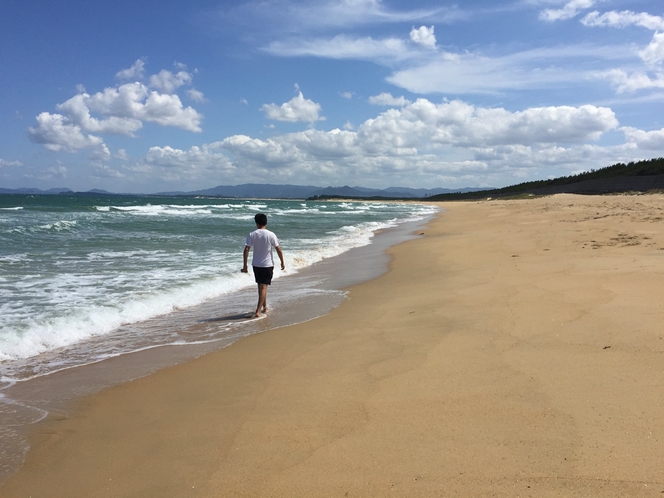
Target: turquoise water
<point>87,278</point>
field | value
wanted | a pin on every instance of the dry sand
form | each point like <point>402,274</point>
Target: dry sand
<point>514,350</point>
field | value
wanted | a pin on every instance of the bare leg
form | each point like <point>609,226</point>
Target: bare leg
<point>262,299</point>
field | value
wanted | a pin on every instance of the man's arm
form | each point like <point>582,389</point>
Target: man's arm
<point>245,257</point>
<point>281,257</point>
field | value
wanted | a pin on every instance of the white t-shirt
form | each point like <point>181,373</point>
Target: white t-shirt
<point>262,241</point>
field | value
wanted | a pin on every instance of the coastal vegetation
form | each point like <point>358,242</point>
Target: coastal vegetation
<point>645,175</point>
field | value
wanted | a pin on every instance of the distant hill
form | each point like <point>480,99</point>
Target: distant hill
<point>252,190</point>
<point>640,176</point>
<point>265,191</point>
<point>34,191</point>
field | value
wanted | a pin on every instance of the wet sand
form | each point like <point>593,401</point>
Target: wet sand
<point>517,349</point>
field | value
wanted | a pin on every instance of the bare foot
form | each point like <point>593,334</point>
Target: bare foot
<point>264,310</point>
<point>256,315</point>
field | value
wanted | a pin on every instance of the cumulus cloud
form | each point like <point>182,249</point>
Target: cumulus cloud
<point>77,112</point>
<point>101,154</point>
<point>653,54</point>
<point>387,99</point>
<point>570,10</point>
<point>167,82</point>
<point>195,95</point>
<point>55,132</point>
<point>631,82</point>
<point>119,110</point>
<point>298,109</point>
<point>447,140</point>
<point>176,165</point>
<point>647,140</point>
<point>135,72</point>
<point>460,124</point>
<point>423,36</point>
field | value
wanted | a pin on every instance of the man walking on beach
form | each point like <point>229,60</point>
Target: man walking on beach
<point>262,240</point>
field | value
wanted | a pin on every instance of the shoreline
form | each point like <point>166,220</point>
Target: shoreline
<point>515,349</point>
<point>26,402</point>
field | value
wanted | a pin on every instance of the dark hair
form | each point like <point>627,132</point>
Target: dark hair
<point>260,219</point>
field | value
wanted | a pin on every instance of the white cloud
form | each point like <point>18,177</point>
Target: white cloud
<point>206,156</point>
<point>122,155</point>
<point>101,170</point>
<point>645,140</point>
<point>460,124</point>
<point>121,110</point>
<point>428,71</point>
<point>345,47</point>
<point>55,172</point>
<point>570,10</point>
<point>452,143</point>
<point>264,152</point>
<point>135,72</point>
<point>177,165</point>
<point>624,82</point>
<point>451,140</point>
<point>623,19</point>
<point>423,36</point>
<point>471,73</point>
<point>56,132</point>
<point>77,111</point>
<point>331,14</point>
<point>196,96</point>
<point>347,95</point>
<point>101,153</point>
<point>653,54</point>
<point>167,82</point>
<point>387,99</point>
<point>4,163</point>
<point>296,109</point>
<point>167,110</point>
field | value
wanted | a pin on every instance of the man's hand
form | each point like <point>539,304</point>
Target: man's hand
<point>244,270</point>
<point>281,257</point>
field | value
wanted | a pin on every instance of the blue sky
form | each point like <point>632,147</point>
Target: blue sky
<point>133,96</point>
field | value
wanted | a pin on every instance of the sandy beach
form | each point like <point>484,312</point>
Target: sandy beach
<point>515,349</point>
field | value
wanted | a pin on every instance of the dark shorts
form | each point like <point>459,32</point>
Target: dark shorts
<point>263,275</point>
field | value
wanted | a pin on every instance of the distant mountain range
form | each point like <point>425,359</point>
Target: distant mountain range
<point>263,191</point>
<point>639,176</point>
<point>36,191</point>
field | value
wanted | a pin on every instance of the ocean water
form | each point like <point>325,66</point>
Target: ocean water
<point>78,274</point>
<point>95,291</point>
